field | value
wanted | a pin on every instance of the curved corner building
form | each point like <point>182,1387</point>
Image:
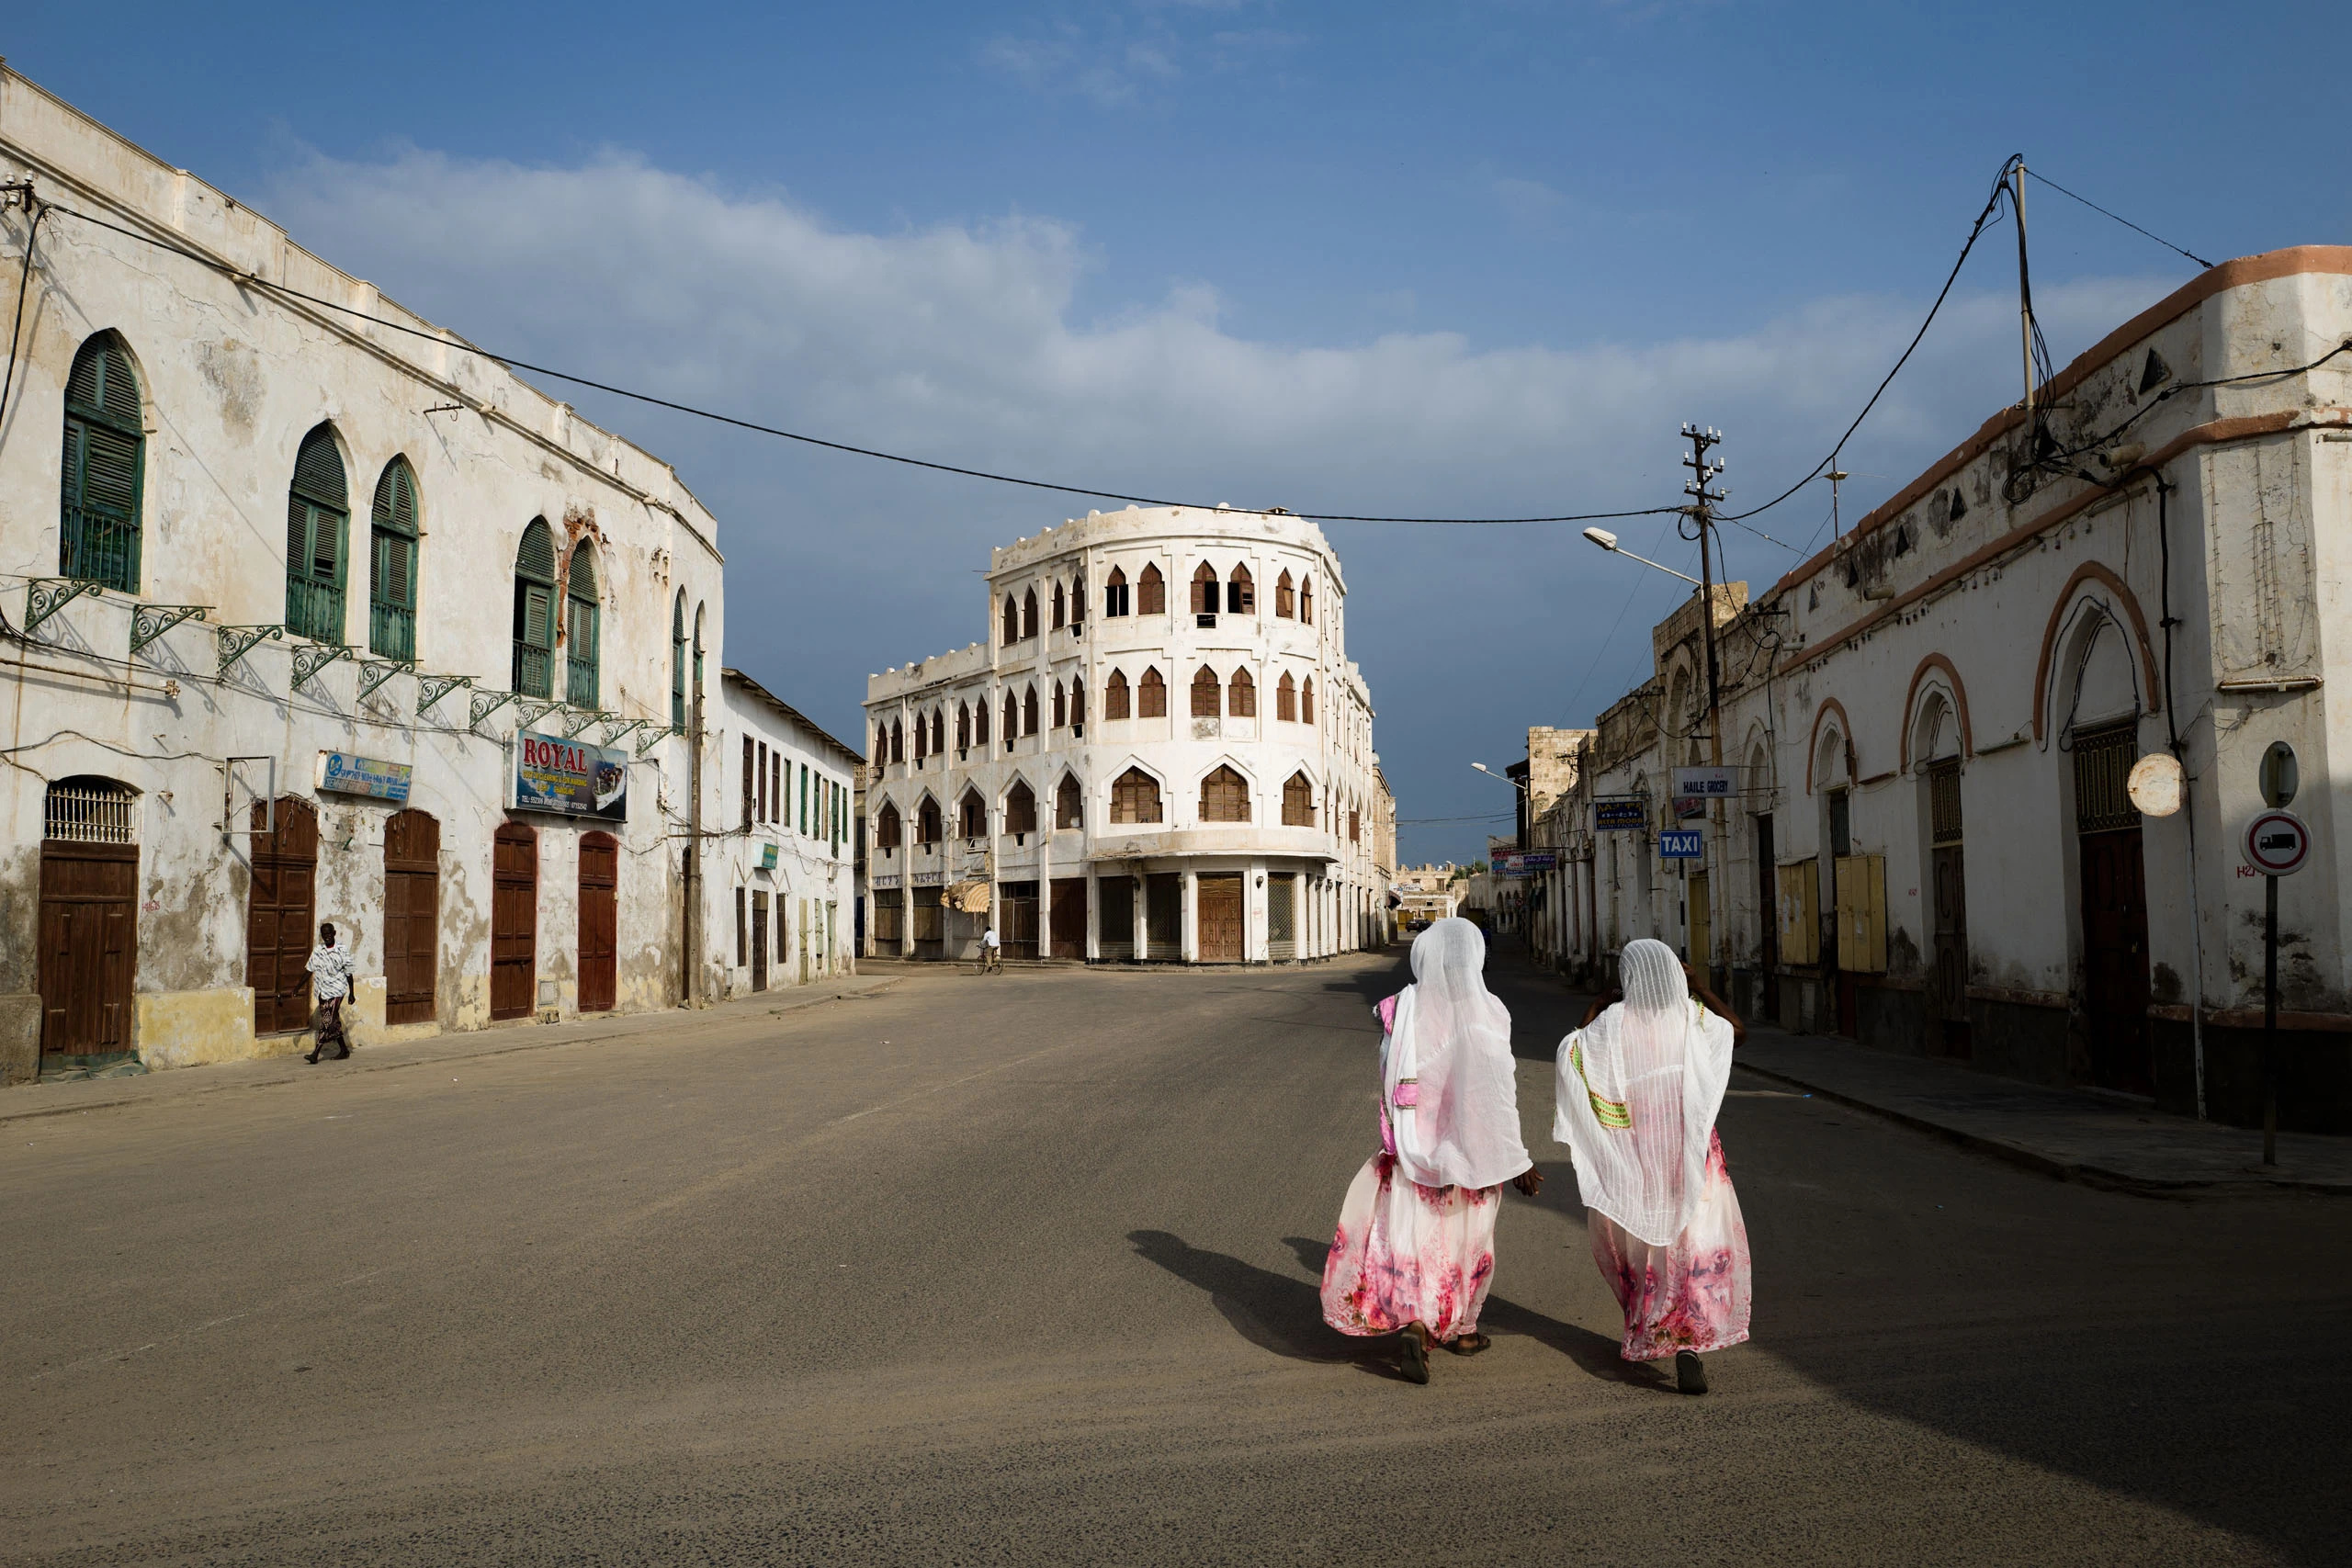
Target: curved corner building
<point>1158,750</point>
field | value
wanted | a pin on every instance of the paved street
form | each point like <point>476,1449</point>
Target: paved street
<point>1023,1270</point>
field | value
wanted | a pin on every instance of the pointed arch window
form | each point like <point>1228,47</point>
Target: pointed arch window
<point>927,822</point>
<point>1061,705</point>
<point>1019,809</point>
<point>678,676</point>
<point>963,726</point>
<point>1069,802</point>
<point>391,556</point>
<point>1286,699</point>
<point>980,722</point>
<point>1298,801</point>
<point>1240,592</point>
<point>971,816</point>
<point>1224,796</point>
<point>697,715</point>
<point>318,517</point>
<point>1012,620</point>
<point>1029,711</point>
<point>1077,600</point>
<point>1306,701</point>
<point>1114,697</point>
<point>534,673</point>
<point>1134,797</point>
<point>1286,598</point>
<point>1207,699</point>
<point>1205,594</point>
<point>887,828</point>
<point>1241,696</point>
<point>1077,702</point>
<point>898,740</point>
<point>1306,600</point>
<point>1029,613</point>
<point>105,448</point>
<point>1062,606</point>
<point>583,681</point>
<point>1151,591</point>
<point>1114,593</point>
<point>922,739</point>
<point>938,729</point>
<point>1151,697</point>
<point>1011,718</point>
<point>881,745</point>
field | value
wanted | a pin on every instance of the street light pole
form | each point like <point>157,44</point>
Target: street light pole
<point>1700,513</point>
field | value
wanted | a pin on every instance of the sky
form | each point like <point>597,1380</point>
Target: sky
<point>1470,259</point>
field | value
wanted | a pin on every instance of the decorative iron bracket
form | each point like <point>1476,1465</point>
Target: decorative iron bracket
<point>238,641</point>
<point>44,596</point>
<point>652,737</point>
<point>149,622</point>
<point>621,727</point>
<point>431,689</point>
<point>487,703</point>
<point>580,720</point>
<point>310,658</point>
<point>528,711</point>
<point>374,672</point>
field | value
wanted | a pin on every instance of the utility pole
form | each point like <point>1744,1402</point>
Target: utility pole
<point>1701,510</point>
<point>2025,302</point>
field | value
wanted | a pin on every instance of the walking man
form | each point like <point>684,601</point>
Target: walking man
<point>330,966</point>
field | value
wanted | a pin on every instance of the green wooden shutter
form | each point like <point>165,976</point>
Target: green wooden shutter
<point>392,599</point>
<point>535,611</point>
<point>98,537</point>
<point>317,513</point>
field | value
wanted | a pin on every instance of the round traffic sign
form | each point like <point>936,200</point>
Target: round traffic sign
<point>2276,844</point>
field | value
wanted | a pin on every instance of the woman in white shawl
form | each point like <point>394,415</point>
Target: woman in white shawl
<point>1415,1249</point>
<point>1640,1084</point>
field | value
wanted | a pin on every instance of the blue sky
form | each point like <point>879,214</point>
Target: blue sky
<point>1467,259</point>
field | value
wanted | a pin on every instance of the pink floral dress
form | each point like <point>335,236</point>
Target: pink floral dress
<point>1405,1253</point>
<point>1692,1294</point>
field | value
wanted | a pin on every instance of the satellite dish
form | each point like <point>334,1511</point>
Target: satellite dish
<point>2155,785</point>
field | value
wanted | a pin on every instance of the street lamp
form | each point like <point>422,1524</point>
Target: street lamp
<point>1519,785</point>
<point>1608,541</point>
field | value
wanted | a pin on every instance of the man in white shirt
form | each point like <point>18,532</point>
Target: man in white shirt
<point>331,966</point>
<point>991,955</point>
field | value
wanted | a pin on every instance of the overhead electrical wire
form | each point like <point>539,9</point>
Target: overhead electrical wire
<point>2095,207</point>
<point>740,423</point>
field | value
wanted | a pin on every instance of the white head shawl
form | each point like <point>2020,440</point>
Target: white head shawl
<point>1451,1039</point>
<point>1639,1089</point>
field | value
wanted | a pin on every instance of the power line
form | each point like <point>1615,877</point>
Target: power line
<point>513,364</point>
<point>2095,207</point>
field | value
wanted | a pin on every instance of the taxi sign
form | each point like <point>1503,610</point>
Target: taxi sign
<point>1679,844</point>
<point>2276,844</point>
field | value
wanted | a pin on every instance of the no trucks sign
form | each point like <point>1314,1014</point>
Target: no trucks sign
<point>2276,844</point>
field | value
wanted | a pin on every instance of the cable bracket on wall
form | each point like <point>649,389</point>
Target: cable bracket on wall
<point>149,622</point>
<point>431,689</point>
<point>310,658</point>
<point>374,672</point>
<point>44,596</point>
<point>237,641</point>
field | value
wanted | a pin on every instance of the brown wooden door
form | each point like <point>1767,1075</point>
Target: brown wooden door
<point>1768,947</point>
<point>1951,1001</point>
<point>759,940</point>
<point>513,921</point>
<point>1115,924</point>
<point>89,943</point>
<point>1220,919</point>
<point>280,909</point>
<point>2115,961</point>
<point>1163,915</point>
<point>1067,916</point>
<point>1019,932</point>
<point>412,916</point>
<point>600,855</point>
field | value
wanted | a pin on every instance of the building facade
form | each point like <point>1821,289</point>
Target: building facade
<point>784,859</point>
<point>1158,751</point>
<point>315,614</point>
<point>1933,844</point>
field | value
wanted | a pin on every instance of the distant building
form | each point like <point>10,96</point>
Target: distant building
<point>784,863</point>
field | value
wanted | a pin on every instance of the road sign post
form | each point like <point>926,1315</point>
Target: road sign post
<point>2277,844</point>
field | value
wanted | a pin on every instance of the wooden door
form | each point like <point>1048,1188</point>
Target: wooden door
<point>412,916</point>
<point>759,940</point>
<point>279,909</point>
<point>1115,934</point>
<point>1220,919</point>
<point>2115,961</point>
<point>89,905</point>
<point>1067,916</point>
<point>600,855</point>
<point>1950,1003</point>
<point>513,921</point>
<point>1019,916</point>
<point>1767,925</point>
<point>1163,916</point>
<point>930,924</point>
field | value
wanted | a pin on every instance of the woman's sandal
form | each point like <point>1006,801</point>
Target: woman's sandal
<point>1467,1344</point>
<point>1414,1362</point>
<point>1689,1372</point>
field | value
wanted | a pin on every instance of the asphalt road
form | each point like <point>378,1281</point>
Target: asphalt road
<point>1023,1270</point>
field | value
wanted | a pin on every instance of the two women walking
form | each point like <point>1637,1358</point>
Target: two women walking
<point>1639,1086</point>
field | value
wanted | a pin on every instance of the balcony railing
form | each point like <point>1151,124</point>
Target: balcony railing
<point>391,631</point>
<point>579,683</point>
<point>100,547</point>
<point>532,670</point>
<point>314,610</point>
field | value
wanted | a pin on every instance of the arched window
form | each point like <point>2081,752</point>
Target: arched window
<point>1019,809</point>
<point>881,745</point>
<point>1114,593</point>
<point>971,816</point>
<point>1286,699</point>
<point>678,678</point>
<point>898,740</point>
<point>318,515</point>
<point>1114,697</point>
<point>1077,702</point>
<point>1011,718</point>
<point>1285,597</point>
<point>583,686</point>
<point>1151,695</point>
<point>1061,705</point>
<point>391,576</point>
<point>886,827</point>
<point>963,726</point>
<point>535,613</point>
<point>1298,802</point>
<point>1069,802</point>
<point>1151,591</point>
<point>1077,600</point>
<point>922,739</point>
<point>1061,609</point>
<point>1355,834</point>
<point>1204,594</point>
<point>698,609</point>
<point>1029,613</point>
<point>1206,703</point>
<point>1134,797</point>
<point>1225,798</point>
<point>927,821</point>
<point>106,448</point>
<point>1029,712</point>
<point>1241,696</point>
<point>1307,601</point>
<point>980,722</point>
<point>938,729</point>
<point>1240,591</point>
<point>1306,701</point>
<point>1012,620</point>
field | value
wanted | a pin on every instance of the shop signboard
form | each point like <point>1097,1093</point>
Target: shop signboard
<point>347,774</point>
<point>570,778</point>
<point>1540,860</point>
<point>767,857</point>
<point>1620,816</point>
<point>1680,843</point>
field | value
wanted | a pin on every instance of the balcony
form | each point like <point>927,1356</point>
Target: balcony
<point>100,547</point>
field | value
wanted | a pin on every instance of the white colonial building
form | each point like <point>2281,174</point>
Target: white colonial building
<point>782,859</point>
<point>1160,751</point>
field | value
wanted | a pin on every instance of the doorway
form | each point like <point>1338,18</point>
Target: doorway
<point>1018,912</point>
<point>600,855</point>
<point>1115,922</point>
<point>1220,919</point>
<point>513,921</point>
<point>1947,890</point>
<point>89,913</point>
<point>280,908</point>
<point>411,915</point>
<point>758,940</point>
<point>2115,910</point>
<point>1767,924</point>
<point>1067,917</point>
<point>1163,916</point>
<point>930,925</point>
<point>1281,917</point>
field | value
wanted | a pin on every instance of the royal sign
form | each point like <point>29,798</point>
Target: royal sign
<point>378,780</point>
<point>570,779</point>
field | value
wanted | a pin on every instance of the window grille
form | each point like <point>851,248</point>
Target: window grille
<point>2103,759</point>
<point>1943,802</point>
<point>88,813</point>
